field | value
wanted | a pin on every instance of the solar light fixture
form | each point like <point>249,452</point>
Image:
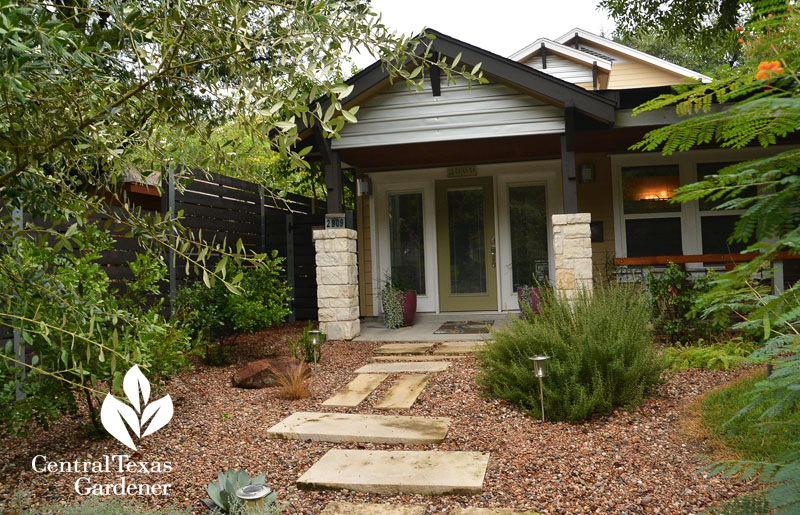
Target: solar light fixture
<point>316,340</point>
<point>540,370</point>
<point>252,497</point>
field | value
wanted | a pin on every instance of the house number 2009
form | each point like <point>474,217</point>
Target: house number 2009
<point>334,221</point>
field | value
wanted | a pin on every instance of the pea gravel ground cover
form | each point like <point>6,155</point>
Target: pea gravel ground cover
<point>628,462</point>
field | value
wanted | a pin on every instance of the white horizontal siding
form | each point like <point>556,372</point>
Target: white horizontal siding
<point>562,68</point>
<point>397,115</point>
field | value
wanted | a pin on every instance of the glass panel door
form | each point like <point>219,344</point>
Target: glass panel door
<point>406,242</point>
<point>466,245</point>
<point>465,234</point>
<point>527,208</point>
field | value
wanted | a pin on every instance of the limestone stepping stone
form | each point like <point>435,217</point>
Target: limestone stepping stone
<point>348,508</point>
<point>343,427</point>
<point>404,348</point>
<point>404,367</point>
<point>459,347</point>
<point>404,392</point>
<point>419,358</point>
<point>355,391</point>
<point>398,472</point>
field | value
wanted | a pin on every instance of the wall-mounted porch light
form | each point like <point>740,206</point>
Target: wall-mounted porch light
<point>587,173</point>
<point>540,370</point>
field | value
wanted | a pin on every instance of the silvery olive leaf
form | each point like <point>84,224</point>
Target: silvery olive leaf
<point>135,383</point>
<point>114,414</point>
<point>161,411</point>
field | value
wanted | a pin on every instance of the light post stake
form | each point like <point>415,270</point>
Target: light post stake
<point>540,370</point>
<point>315,336</point>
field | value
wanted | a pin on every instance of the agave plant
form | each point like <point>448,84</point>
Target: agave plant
<point>223,491</point>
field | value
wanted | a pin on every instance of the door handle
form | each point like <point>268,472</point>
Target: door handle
<point>493,251</point>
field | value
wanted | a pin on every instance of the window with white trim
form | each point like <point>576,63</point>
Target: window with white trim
<point>651,222</point>
<point>716,226</point>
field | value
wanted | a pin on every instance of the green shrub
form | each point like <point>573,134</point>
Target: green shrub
<point>674,293</point>
<point>211,312</point>
<point>79,327</point>
<point>717,356</point>
<point>601,349</point>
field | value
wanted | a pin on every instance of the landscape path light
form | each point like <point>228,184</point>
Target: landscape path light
<point>316,340</point>
<point>252,497</point>
<point>540,370</point>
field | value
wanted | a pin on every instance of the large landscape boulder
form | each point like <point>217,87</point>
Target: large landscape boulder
<point>261,373</point>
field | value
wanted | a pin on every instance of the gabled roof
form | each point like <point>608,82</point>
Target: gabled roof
<point>507,71</point>
<point>560,49</point>
<point>630,52</point>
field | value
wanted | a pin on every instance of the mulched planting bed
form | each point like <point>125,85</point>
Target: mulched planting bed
<point>628,462</point>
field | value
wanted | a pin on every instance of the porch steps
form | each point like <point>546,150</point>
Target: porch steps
<point>404,367</point>
<point>343,427</point>
<point>355,391</point>
<point>403,348</point>
<point>404,392</point>
<point>398,472</point>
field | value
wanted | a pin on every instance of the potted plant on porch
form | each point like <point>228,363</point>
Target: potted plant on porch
<point>399,303</point>
<point>529,295</point>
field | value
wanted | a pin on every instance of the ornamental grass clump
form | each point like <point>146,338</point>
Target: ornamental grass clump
<point>601,349</point>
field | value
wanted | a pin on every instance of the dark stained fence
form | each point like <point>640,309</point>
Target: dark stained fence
<point>227,210</point>
<point>302,265</point>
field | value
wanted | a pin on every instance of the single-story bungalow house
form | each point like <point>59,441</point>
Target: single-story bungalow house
<point>458,184</point>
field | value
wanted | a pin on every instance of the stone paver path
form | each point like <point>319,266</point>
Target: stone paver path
<point>356,391</point>
<point>459,347</point>
<point>348,508</point>
<point>384,471</point>
<point>404,367</point>
<point>396,472</point>
<point>404,392</point>
<point>404,348</point>
<point>344,427</point>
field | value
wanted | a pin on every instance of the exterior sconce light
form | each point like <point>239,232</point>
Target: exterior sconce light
<point>540,370</point>
<point>252,497</point>
<point>316,340</point>
<point>587,173</point>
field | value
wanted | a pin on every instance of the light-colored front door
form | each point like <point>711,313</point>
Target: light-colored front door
<point>466,244</point>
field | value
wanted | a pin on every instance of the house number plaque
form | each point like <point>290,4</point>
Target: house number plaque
<point>461,171</point>
<point>335,221</point>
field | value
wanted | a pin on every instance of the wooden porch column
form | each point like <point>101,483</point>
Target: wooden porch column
<point>568,178</point>
<point>332,166</point>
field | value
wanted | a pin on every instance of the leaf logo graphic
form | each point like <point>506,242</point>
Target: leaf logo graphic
<point>115,414</point>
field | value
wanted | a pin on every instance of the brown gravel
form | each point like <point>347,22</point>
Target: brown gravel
<point>628,462</point>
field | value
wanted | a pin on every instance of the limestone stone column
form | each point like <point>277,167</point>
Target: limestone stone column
<point>337,283</point>
<point>572,248</point>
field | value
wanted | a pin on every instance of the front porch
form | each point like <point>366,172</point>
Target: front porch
<point>426,326</point>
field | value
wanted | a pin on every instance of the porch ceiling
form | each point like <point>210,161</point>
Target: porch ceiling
<point>487,150</point>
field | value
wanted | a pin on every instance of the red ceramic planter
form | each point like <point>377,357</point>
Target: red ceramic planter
<point>409,301</point>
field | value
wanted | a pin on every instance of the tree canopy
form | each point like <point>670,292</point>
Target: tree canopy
<point>93,92</point>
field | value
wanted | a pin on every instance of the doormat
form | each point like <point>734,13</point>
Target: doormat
<point>465,327</point>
